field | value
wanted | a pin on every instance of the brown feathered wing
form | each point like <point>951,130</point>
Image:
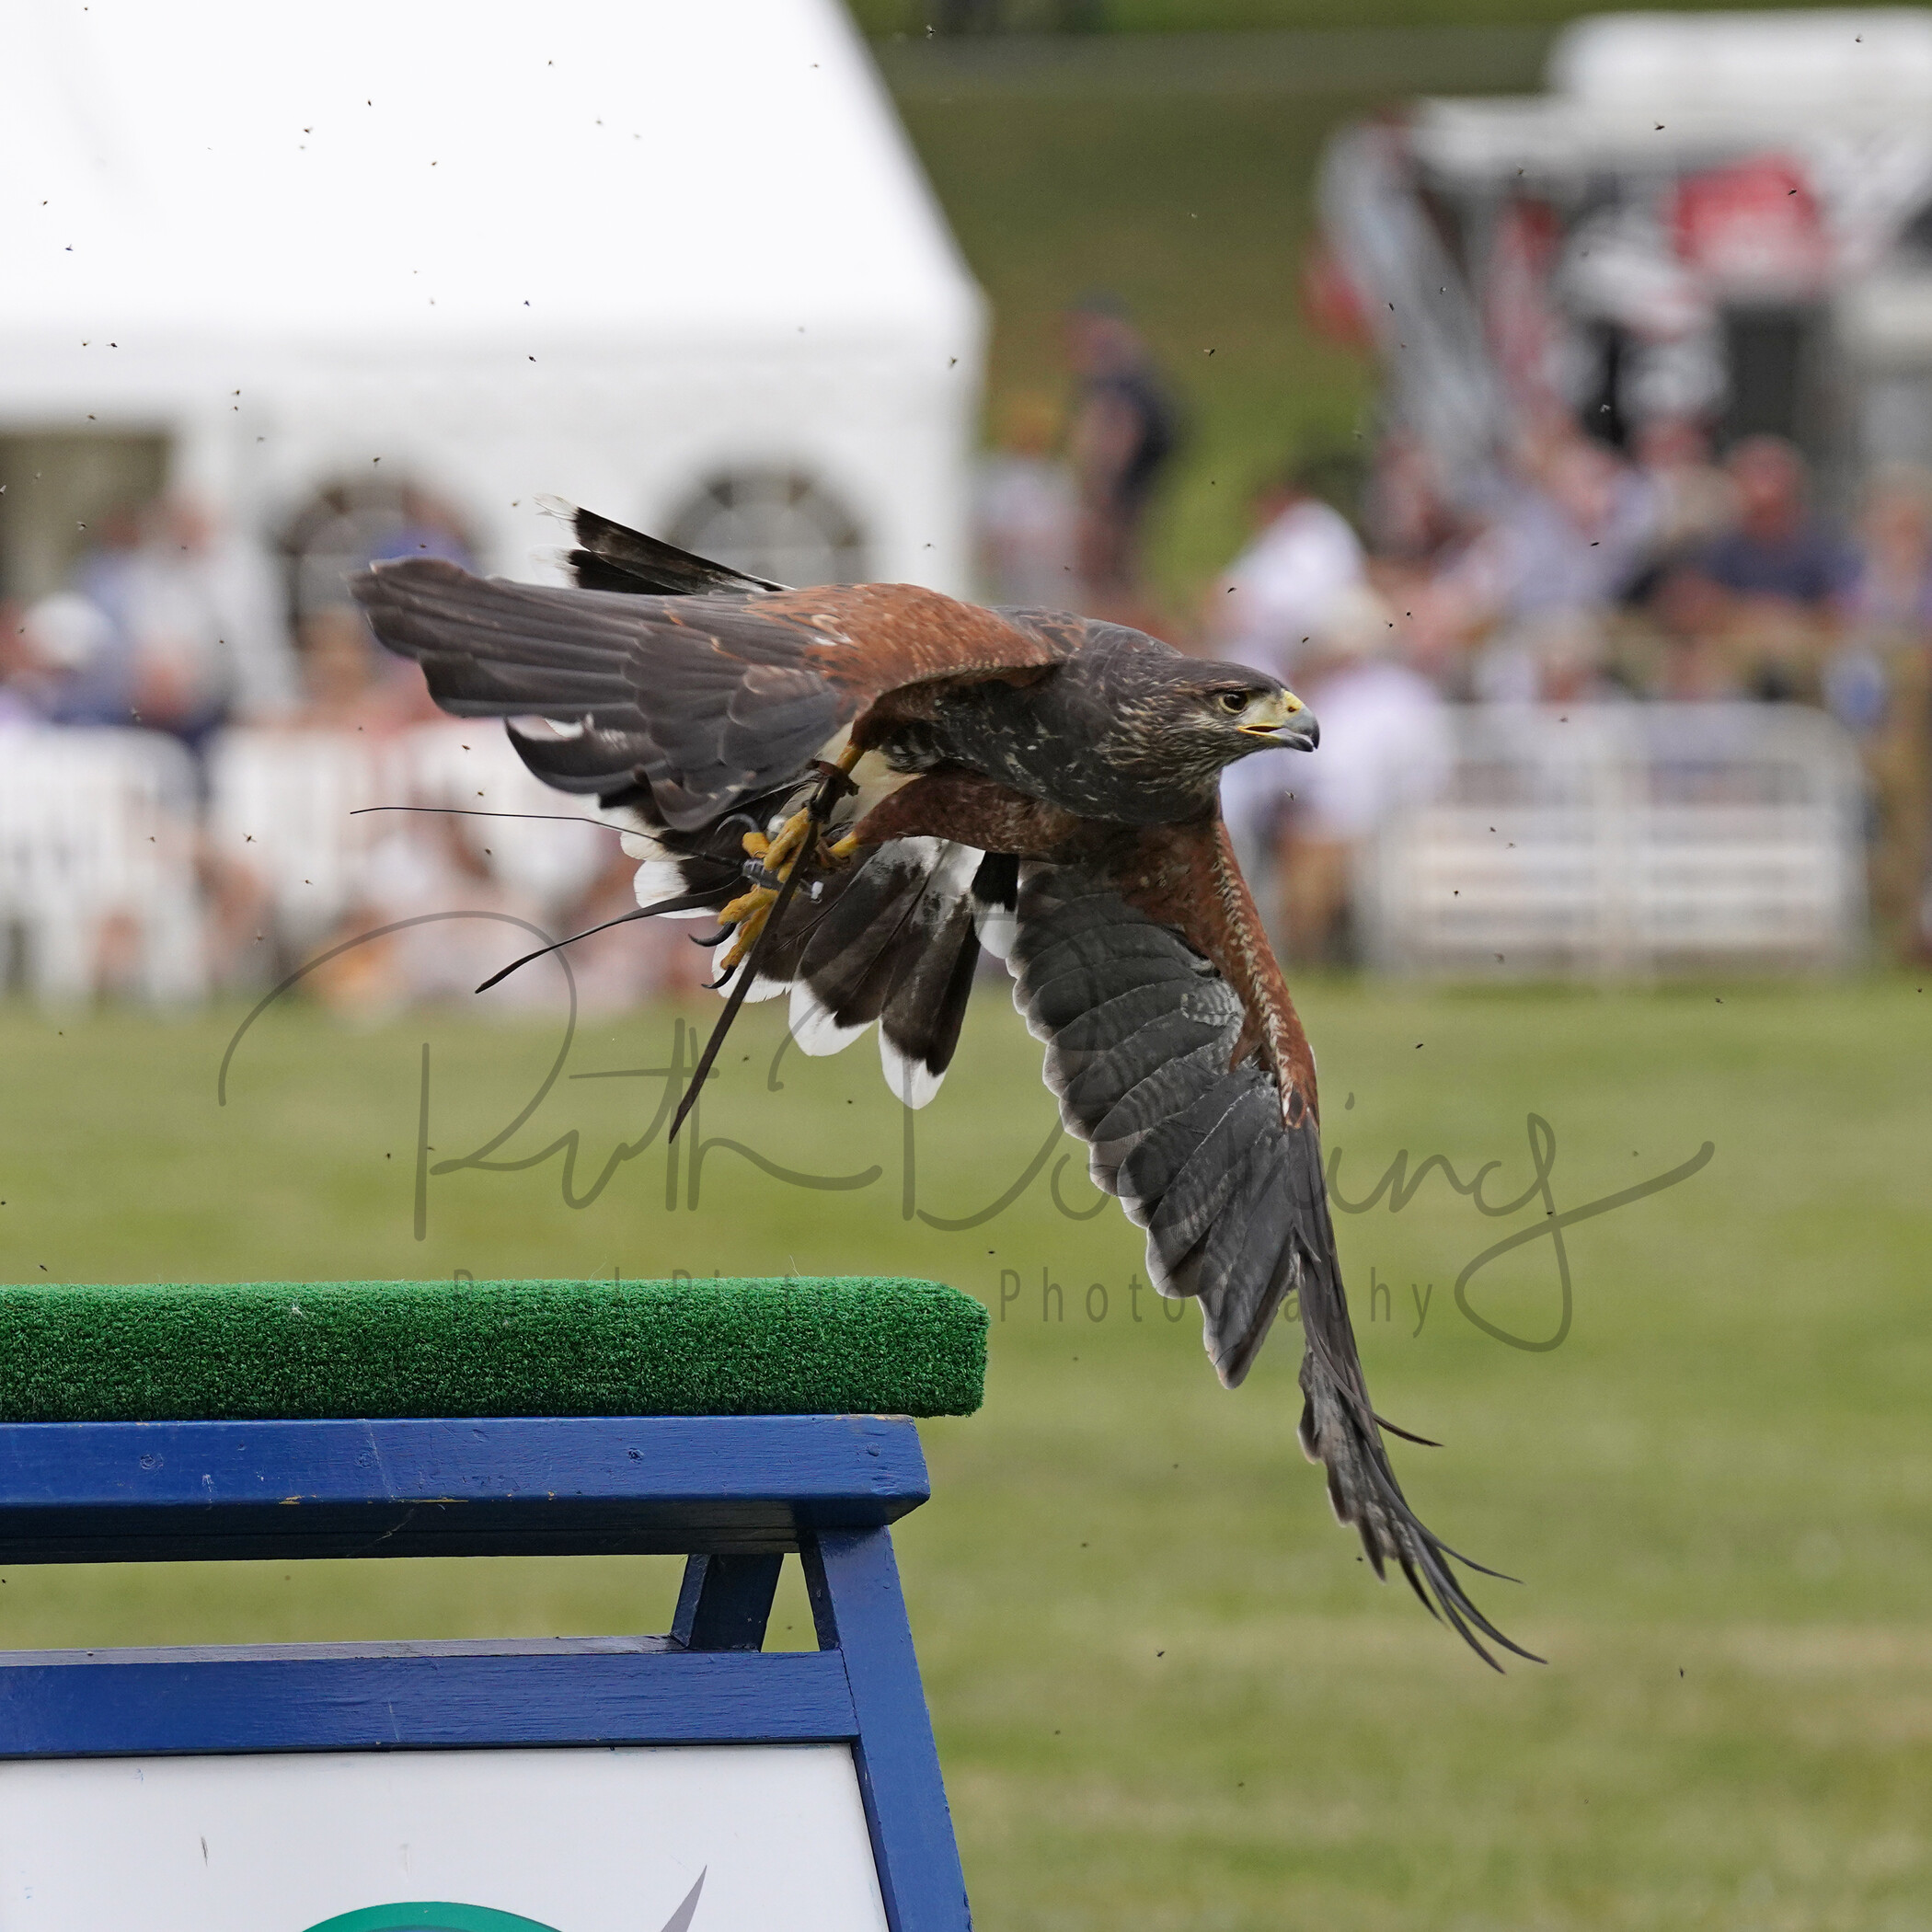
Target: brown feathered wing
<point>692,703</point>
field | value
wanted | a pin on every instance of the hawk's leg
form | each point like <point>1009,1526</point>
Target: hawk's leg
<point>755,934</point>
<point>776,856</point>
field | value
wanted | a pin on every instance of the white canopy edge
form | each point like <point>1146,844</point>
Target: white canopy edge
<point>436,175</point>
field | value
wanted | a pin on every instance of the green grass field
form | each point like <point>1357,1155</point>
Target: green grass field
<point>1166,1693</point>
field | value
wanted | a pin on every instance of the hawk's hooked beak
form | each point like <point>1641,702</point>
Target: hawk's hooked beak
<point>1284,720</point>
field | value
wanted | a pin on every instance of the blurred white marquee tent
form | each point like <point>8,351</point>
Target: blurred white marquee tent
<point>672,260</point>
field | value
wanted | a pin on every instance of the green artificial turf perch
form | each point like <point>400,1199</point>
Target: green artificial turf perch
<point>251,1351</point>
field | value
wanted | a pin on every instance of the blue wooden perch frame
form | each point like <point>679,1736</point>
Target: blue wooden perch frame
<point>733,1494</point>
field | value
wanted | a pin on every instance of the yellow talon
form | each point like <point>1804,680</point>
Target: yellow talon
<point>748,915</point>
<point>749,911</point>
<point>792,835</point>
<point>778,855</point>
<point>745,904</point>
<point>741,944</point>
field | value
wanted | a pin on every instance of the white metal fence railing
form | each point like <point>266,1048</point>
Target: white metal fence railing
<point>97,864</point>
<point>1626,839</point>
<point>1607,840</point>
<point>111,859</point>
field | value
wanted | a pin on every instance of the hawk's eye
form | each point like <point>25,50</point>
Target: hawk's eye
<point>1233,702</point>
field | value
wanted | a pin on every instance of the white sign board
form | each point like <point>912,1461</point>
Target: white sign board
<point>686,1838</point>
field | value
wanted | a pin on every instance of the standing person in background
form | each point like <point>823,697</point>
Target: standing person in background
<point>1303,560</point>
<point>197,637</point>
<point>1304,553</point>
<point>1124,433</point>
<point>1386,743</point>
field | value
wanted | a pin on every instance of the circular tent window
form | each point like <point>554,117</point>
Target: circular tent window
<point>347,524</point>
<point>776,523</point>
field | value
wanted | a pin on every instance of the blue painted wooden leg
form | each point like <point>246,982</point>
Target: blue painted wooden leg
<point>856,1606</point>
<point>725,1603</point>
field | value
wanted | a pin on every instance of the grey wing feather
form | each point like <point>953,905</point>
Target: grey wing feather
<point>707,714</point>
<point>1139,1031</point>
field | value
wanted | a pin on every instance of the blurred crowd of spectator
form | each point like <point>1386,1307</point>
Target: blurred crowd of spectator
<point>1587,572</point>
<point>170,624</point>
<point>179,650</point>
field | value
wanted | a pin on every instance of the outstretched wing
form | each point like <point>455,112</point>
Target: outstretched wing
<point>707,699</point>
<point>692,699</point>
<point>1198,1124</point>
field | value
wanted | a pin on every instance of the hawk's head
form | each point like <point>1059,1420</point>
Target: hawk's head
<point>1172,725</point>
<point>1237,711</point>
<point>1127,730</point>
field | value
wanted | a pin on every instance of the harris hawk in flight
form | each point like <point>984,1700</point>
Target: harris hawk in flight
<point>863,785</point>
